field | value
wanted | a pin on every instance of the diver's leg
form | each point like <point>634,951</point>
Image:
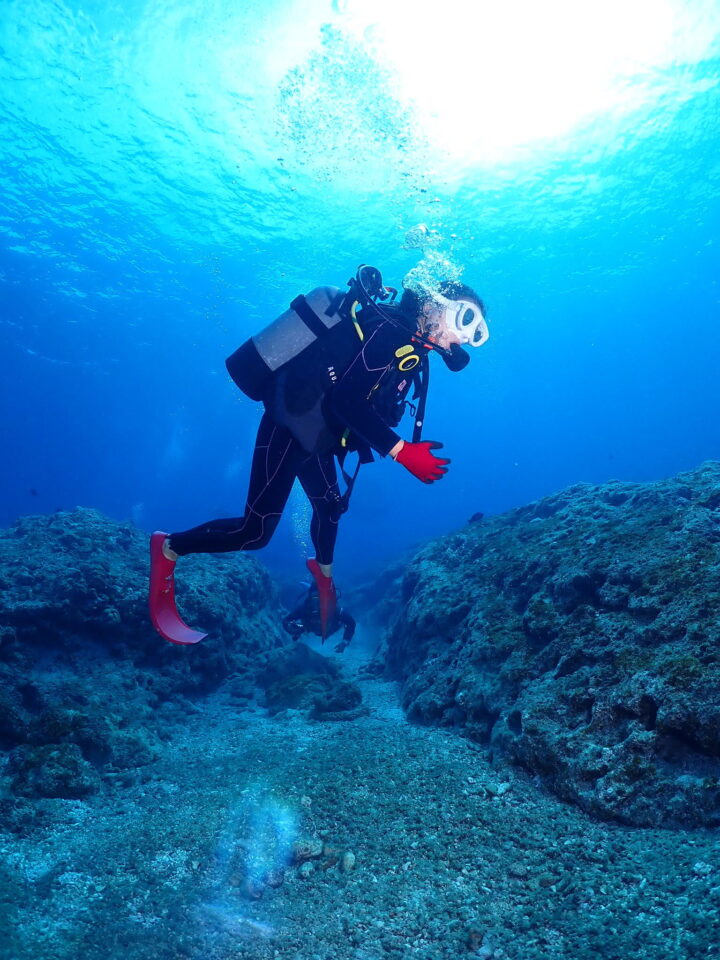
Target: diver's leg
<point>274,468</point>
<point>161,599</point>
<point>318,477</point>
<point>271,478</point>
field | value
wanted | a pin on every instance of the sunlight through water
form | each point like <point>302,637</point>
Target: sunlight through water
<point>485,79</point>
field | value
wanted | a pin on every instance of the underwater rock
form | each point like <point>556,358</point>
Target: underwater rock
<point>274,878</point>
<point>580,638</point>
<point>307,848</point>
<point>82,672</point>
<point>77,577</point>
<point>56,770</point>
<point>311,854</point>
<point>306,870</point>
<point>13,718</point>
<point>252,888</point>
<point>297,678</point>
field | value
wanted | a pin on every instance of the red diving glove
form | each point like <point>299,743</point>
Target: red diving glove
<point>417,458</point>
<point>327,594</point>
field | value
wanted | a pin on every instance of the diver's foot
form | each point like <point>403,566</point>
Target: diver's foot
<point>161,600</point>
<point>167,550</point>
<point>327,595</point>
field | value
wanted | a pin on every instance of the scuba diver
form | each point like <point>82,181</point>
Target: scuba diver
<point>306,618</point>
<point>334,373</point>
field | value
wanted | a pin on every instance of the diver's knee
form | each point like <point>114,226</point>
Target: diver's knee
<point>263,536</point>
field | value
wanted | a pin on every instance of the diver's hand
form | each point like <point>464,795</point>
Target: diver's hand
<point>418,459</point>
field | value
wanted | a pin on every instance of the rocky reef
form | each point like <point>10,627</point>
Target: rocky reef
<point>580,638</point>
<point>301,679</point>
<point>88,689</point>
<point>187,802</point>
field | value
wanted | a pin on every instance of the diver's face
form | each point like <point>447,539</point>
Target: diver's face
<point>435,326</point>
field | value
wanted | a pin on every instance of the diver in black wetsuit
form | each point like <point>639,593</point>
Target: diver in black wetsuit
<point>305,618</point>
<point>337,387</point>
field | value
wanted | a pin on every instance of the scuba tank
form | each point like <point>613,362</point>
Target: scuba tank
<point>302,326</point>
<point>296,359</point>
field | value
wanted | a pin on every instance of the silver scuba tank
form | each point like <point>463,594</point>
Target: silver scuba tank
<point>285,338</point>
<point>256,363</point>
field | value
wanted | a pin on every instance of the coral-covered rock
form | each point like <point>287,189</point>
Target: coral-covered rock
<point>13,718</point>
<point>580,637</point>
<point>56,770</point>
<point>82,672</point>
<point>76,578</point>
<point>300,679</point>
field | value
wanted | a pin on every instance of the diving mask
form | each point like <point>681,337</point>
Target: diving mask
<point>464,318</point>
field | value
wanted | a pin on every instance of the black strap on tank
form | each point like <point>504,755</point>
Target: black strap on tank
<point>335,302</point>
<point>308,316</point>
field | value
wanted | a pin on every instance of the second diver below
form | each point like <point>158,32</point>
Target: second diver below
<point>333,374</point>
<point>305,618</point>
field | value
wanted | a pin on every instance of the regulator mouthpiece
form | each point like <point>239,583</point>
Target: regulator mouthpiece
<point>456,359</point>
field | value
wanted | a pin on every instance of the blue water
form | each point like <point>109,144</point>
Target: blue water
<point>172,174</point>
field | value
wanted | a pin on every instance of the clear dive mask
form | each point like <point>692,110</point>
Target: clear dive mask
<point>464,318</point>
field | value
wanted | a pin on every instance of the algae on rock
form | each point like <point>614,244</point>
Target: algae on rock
<point>580,637</point>
<point>87,684</point>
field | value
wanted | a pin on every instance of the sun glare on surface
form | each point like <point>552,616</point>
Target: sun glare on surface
<point>487,79</point>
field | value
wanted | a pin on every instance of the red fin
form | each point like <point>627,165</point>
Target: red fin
<point>163,612</point>
<point>327,594</point>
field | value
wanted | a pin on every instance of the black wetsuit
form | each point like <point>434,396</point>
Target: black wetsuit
<point>305,618</point>
<point>360,407</point>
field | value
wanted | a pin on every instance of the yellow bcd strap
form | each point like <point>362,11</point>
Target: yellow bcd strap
<point>358,328</point>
